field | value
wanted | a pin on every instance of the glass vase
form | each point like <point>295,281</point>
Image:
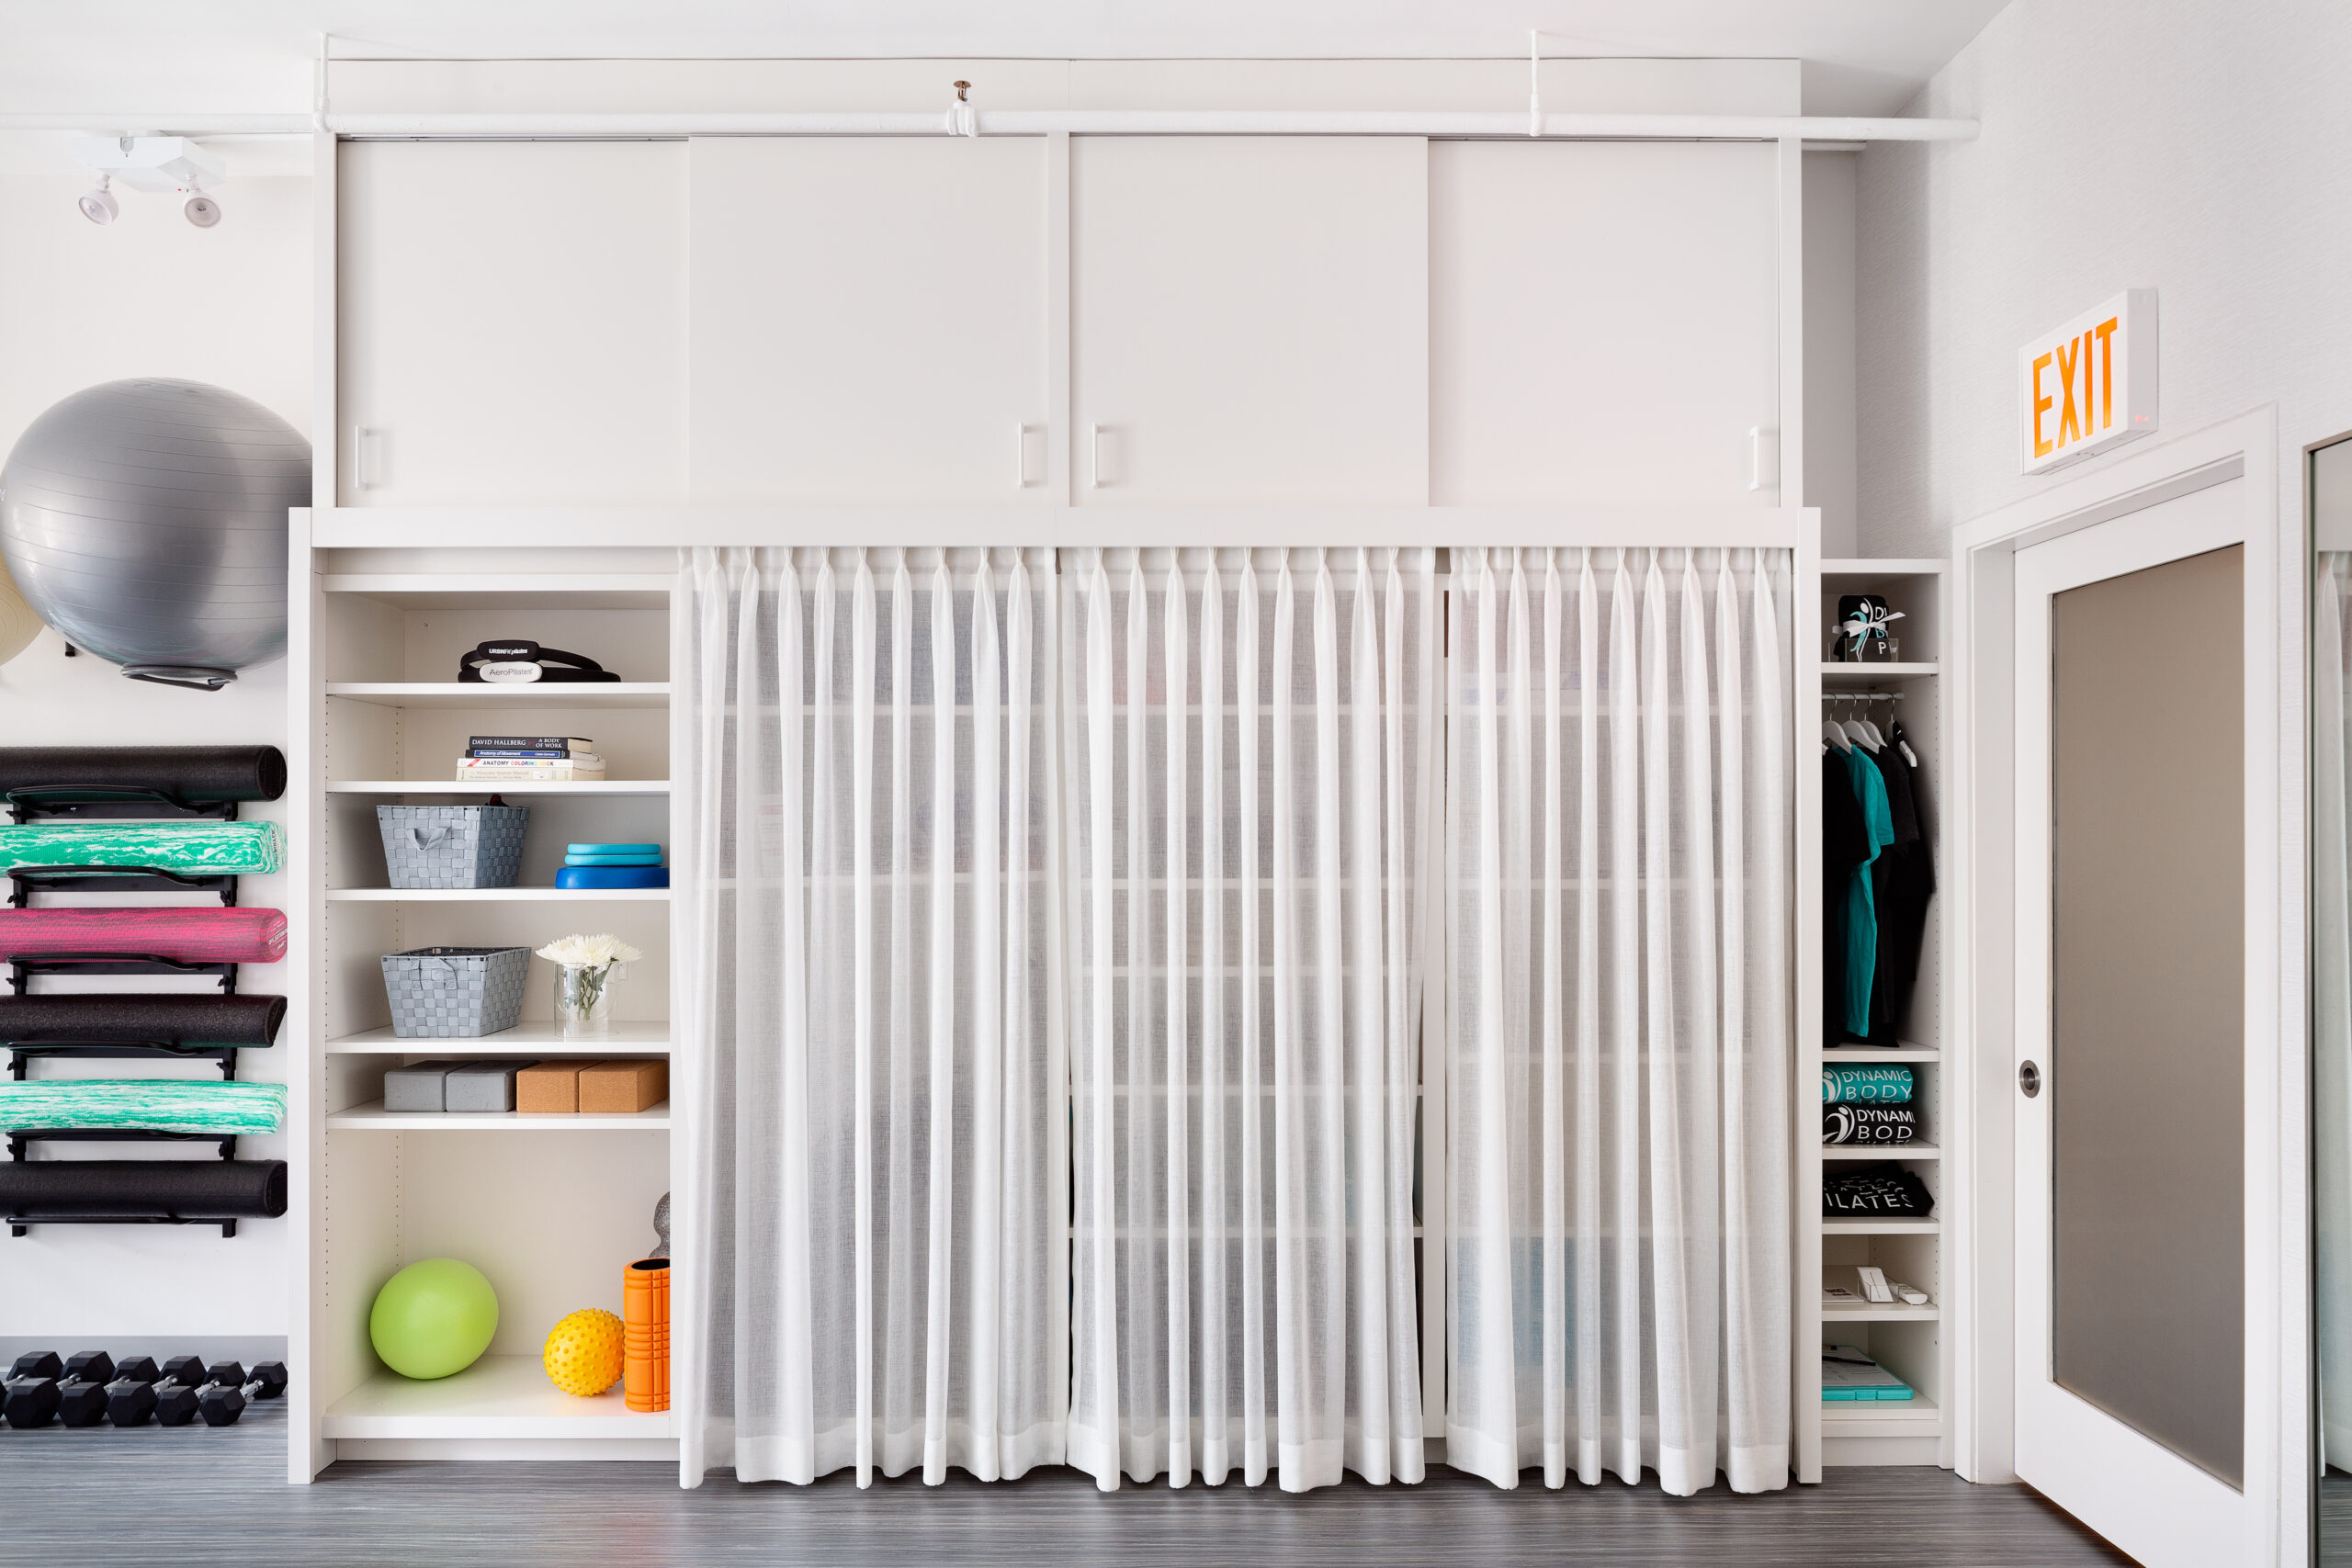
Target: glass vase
<point>584,1000</point>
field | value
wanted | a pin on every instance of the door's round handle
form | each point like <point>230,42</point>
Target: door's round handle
<point>2029,1079</point>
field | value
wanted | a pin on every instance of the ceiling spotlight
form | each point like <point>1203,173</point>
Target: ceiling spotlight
<point>201,209</point>
<point>99,206</point>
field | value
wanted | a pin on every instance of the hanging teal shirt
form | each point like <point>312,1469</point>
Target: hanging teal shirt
<point>1861,907</point>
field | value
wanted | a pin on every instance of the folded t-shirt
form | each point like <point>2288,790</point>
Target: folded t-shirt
<point>1843,1123</point>
<point>1887,1085</point>
<point>1877,1191</point>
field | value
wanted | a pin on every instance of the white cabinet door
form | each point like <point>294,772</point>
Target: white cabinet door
<point>1250,320</point>
<point>868,320</point>
<point>512,319</point>
<point>1603,321</point>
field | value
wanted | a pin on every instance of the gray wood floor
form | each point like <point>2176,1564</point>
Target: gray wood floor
<point>194,1497</point>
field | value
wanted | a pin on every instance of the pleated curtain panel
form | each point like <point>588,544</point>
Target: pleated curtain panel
<point>1617,785</point>
<point>1061,931</point>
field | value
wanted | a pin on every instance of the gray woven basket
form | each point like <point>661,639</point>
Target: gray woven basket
<point>445,993</point>
<point>452,846</point>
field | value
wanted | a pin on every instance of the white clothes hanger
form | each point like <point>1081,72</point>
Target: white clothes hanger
<point>1833,733</point>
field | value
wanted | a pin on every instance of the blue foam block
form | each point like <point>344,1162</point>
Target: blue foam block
<point>611,876</point>
<point>611,848</point>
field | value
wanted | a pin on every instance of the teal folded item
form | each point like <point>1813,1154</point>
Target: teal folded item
<point>1847,1374</point>
<point>612,860</point>
<point>608,877</point>
<point>611,848</point>
<point>1887,1085</point>
<point>143,1105</point>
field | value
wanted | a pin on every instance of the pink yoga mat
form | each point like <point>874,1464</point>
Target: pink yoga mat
<point>195,936</point>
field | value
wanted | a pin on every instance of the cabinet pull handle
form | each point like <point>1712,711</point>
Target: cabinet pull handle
<point>363,472</point>
<point>1094,456</point>
<point>1020,479</point>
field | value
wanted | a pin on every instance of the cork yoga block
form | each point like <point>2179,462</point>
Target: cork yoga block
<point>623,1088</point>
<point>549,1088</point>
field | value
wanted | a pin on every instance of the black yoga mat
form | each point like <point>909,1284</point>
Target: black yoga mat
<point>137,1017</point>
<point>200,775</point>
<point>138,1189</point>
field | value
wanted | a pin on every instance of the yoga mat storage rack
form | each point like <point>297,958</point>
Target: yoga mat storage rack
<point>183,784</point>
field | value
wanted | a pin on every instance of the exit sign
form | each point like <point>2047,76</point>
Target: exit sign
<point>2089,386</point>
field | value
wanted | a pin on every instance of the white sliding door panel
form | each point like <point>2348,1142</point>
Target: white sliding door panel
<point>1603,321</point>
<point>512,319</point>
<point>868,320</point>
<point>1250,320</point>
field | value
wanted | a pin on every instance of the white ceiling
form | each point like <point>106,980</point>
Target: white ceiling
<point>1862,56</point>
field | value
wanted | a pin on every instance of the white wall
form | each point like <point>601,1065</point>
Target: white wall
<point>149,295</point>
<point>1829,306</point>
<point>2194,148</point>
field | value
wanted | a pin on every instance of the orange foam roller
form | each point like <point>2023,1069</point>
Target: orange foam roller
<point>645,1334</point>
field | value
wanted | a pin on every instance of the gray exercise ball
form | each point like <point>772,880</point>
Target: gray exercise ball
<point>145,521</point>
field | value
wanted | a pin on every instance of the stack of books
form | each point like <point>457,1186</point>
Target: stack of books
<point>529,758</point>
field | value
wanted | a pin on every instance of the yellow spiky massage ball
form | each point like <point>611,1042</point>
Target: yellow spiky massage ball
<point>583,1353</point>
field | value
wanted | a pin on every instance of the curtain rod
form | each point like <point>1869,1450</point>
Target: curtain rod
<point>1025,122</point>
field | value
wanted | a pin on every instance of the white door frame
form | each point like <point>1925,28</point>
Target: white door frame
<point>1980,1094</point>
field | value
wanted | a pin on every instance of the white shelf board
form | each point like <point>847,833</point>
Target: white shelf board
<point>1881,1151</point>
<point>373,1118</point>
<point>536,1038</point>
<point>1834,673</point>
<point>498,1396</point>
<point>1876,1312</point>
<point>498,894</point>
<point>1888,566</point>
<point>531,694</point>
<point>512,590</point>
<point>1868,1055</point>
<point>1929,1226</point>
<point>444,787</point>
<point>1917,1416</point>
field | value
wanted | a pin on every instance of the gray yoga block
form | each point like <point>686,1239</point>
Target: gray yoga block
<point>417,1087</point>
<point>481,1086</point>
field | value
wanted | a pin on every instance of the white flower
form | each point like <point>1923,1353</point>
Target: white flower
<point>591,951</point>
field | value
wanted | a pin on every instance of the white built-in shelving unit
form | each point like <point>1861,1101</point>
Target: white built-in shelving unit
<point>550,1207</point>
<point>1913,1341</point>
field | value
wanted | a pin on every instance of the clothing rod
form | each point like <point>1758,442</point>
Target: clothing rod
<point>1862,696</point>
<point>1023,122</point>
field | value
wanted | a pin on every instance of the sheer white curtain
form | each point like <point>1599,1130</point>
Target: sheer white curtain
<point>1251,773</point>
<point>1618,792</point>
<point>866,998</point>
<point>2331,1000</point>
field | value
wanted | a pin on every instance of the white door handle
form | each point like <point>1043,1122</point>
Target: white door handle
<point>363,447</point>
<point>1763,458</point>
<point>1094,457</point>
<point>1020,470</point>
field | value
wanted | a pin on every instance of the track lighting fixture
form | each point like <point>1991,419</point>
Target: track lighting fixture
<point>98,205</point>
<point>200,209</point>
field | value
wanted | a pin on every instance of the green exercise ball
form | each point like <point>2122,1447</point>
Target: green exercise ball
<point>434,1318</point>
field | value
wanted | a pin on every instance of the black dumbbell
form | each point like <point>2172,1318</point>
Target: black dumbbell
<point>90,1366</point>
<point>37,1364</point>
<point>81,1403</point>
<point>228,1374</point>
<point>131,1402</point>
<point>139,1369</point>
<point>174,1403</point>
<point>267,1380</point>
<point>30,1401</point>
<point>185,1371</point>
<point>220,1404</point>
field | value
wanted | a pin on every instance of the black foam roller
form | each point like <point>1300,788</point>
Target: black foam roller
<point>138,1018</point>
<point>200,775</point>
<point>130,1190</point>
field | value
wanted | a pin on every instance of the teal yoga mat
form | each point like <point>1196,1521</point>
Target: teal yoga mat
<point>215,849</point>
<point>143,1105</point>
